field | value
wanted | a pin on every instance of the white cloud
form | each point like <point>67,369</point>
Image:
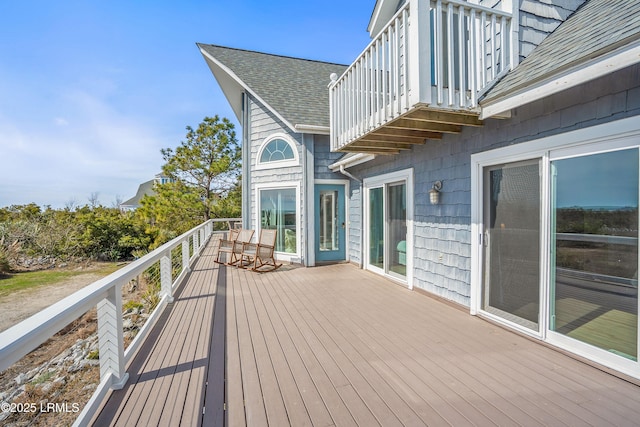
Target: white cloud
<point>94,148</point>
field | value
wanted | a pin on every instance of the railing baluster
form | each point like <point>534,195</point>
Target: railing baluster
<point>398,68</point>
<point>473,57</point>
<point>385,51</point>
<point>405,26</point>
<point>493,47</point>
<point>378,81</point>
<point>483,49</point>
<point>390,72</point>
<point>372,91</point>
<point>361,97</point>
<point>503,43</point>
<point>450,54</point>
<point>462,44</point>
<point>356,99</point>
<point>439,33</point>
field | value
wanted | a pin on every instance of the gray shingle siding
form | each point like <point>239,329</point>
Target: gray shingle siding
<point>323,157</point>
<point>442,233</point>
<point>263,125</point>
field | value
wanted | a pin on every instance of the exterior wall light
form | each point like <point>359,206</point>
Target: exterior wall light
<point>434,193</point>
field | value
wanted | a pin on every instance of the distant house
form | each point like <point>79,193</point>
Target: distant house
<point>488,156</point>
<point>146,188</point>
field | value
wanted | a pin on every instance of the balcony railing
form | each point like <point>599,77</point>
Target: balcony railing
<point>433,54</point>
<point>173,260</point>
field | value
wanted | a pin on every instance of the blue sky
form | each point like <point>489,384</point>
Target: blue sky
<point>90,91</point>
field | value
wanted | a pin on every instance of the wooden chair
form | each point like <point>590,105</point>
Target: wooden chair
<point>226,245</point>
<point>260,253</point>
<point>244,238</point>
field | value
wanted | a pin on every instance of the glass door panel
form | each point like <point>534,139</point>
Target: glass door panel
<point>511,279</point>
<point>376,227</point>
<point>594,284</point>
<point>278,212</point>
<point>330,229</point>
<point>328,220</point>
<point>397,241</point>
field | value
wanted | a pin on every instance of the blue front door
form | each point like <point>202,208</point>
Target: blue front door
<point>330,222</point>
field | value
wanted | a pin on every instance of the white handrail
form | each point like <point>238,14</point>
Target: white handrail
<point>105,294</point>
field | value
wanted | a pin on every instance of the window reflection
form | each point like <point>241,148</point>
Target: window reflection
<point>278,211</point>
<point>595,227</point>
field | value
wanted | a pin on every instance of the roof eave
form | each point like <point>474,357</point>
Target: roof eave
<point>232,87</point>
<point>351,159</point>
<point>578,74</point>
<point>313,129</point>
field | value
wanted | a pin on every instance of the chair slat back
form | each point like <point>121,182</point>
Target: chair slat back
<point>268,238</point>
<point>233,234</point>
<point>245,235</point>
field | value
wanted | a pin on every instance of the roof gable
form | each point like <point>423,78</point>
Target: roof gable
<point>294,89</point>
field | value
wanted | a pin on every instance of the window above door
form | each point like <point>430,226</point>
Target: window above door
<point>277,151</point>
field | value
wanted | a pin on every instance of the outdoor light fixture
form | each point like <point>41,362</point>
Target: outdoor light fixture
<point>434,193</point>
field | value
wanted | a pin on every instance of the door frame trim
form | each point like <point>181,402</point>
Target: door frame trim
<point>381,180</point>
<point>311,220</point>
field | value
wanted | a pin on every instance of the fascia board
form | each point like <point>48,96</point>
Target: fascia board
<point>312,129</point>
<point>382,12</point>
<point>232,84</point>
<point>357,159</point>
<point>574,76</point>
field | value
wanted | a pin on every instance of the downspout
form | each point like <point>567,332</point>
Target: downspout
<point>344,172</point>
<point>305,197</point>
<point>246,162</point>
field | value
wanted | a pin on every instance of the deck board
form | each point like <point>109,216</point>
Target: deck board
<point>339,346</point>
<point>166,378</point>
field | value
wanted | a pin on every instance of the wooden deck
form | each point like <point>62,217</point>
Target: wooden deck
<point>336,345</point>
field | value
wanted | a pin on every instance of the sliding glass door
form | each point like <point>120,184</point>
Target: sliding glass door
<point>511,279</point>
<point>388,219</point>
<point>555,242</point>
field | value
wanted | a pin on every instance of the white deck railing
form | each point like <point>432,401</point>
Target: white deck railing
<point>106,295</point>
<point>439,53</point>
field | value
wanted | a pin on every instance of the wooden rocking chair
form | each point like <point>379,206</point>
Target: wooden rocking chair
<point>243,239</point>
<point>261,253</point>
<point>226,245</point>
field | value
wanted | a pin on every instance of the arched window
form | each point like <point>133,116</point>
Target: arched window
<point>277,151</point>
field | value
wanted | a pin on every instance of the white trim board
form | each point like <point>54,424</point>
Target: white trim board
<point>377,181</point>
<point>281,256</point>
<point>574,76</point>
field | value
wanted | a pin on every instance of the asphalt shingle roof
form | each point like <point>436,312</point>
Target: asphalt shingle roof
<point>596,28</point>
<point>295,88</point>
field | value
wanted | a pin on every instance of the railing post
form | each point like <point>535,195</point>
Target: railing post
<point>185,255</point>
<point>111,338</point>
<point>419,63</point>
<point>195,242</point>
<point>165,276</point>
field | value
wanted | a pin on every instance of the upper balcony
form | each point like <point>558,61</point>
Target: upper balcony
<point>420,77</point>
